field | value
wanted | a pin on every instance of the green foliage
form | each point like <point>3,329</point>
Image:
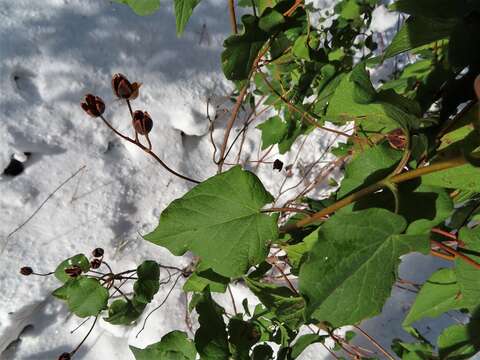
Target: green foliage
<point>183,11</point>
<point>355,256</point>
<point>86,297</point>
<point>173,346</point>
<point>142,7</point>
<point>79,260</point>
<point>227,205</point>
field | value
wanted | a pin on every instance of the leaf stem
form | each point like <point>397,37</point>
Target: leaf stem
<point>396,179</point>
<point>233,17</point>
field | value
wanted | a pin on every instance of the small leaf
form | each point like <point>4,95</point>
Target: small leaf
<point>355,256</point>
<point>147,285</point>
<point>183,11</point>
<point>241,50</point>
<point>173,346</point>
<point>220,221</point>
<point>79,260</point>
<point>142,7</point>
<point>121,312</point>
<point>273,131</point>
<point>438,295</point>
<point>86,297</point>
<point>287,306</point>
<point>305,341</point>
<point>211,337</point>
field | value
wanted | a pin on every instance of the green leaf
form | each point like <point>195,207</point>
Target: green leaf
<point>86,297</point>
<point>79,260</point>
<point>173,346</point>
<point>241,50</point>
<point>220,221</point>
<point>368,167</point>
<point>121,312</point>
<point>287,306</point>
<point>242,336</point>
<point>62,292</point>
<point>460,341</point>
<point>355,256</point>
<point>439,294</point>
<point>305,341</point>
<point>297,251</point>
<point>270,20</point>
<point>350,10</point>
<point>468,276</point>
<point>464,177</point>
<point>183,11</point>
<point>142,7</point>
<point>211,337</point>
<point>273,131</point>
<point>262,352</point>
<point>147,285</point>
<point>199,280</point>
<point>418,31</point>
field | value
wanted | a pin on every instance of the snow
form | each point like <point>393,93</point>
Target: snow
<point>55,51</point>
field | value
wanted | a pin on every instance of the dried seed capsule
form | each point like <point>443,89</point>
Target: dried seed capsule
<point>65,356</point>
<point>95,263</point>
<point>277,165</point>
<point>123,88</point>
<point>98,252</point>
<point>73,271</point>
<point>93,105</point>
<point>26,270</point>
<point>142,122</point>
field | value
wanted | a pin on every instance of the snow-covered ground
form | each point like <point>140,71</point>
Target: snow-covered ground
<point>54,51</point>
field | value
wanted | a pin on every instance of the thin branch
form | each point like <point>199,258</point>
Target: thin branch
<point>374,342</point>
<point>233,17</point>
<point>233,299</point>
<point>148,151</point>
<point>456,253</point>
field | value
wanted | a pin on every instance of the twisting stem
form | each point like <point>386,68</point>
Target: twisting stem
<point>409,175</point>
<point>456,254</point>
<point>233,17</point>
<point>148,151</point>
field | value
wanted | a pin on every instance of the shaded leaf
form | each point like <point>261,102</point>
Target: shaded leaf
<point>173,346</point>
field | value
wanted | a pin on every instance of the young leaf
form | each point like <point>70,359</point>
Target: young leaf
<point>287,306</point>
<point>79,260</point>
<point>460,341</point>
<point>241,50</point>
<point>439,294</point>
<point>211,337</point>
<point>142,7</point>
<point>86,297</point>
<point>355,256</point>
<point>173,346</point>
<point>305,341</point>
<point>147,285</point>
<point>199,280</point>
<point>220,221</point>
<point>273,131</point>
<point>183,11</point>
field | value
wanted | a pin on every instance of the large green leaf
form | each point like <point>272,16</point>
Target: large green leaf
<point>418,31</point>
<point>86,297</point>
<point>460,341</point>
<point>220,221</point>
<point>241,50</point>
<point>142,7</point>
<point>369,166</point>
<point>467,275</point>
<point>211,337</point>
<point>350,270</point>
<point>441,293</point>
<point>173,346</point>
<point>287,306</point>
<point>183,11</point>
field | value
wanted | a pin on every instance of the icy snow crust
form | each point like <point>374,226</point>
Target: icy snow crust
<point>52,53</point>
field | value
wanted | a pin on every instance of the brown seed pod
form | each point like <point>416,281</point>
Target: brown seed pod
<point>93,105</point>
<point>397,139</point>
<point>98,252</point>
<point>26,270</point>
<point>95,263</point>
<point>73,271</point>
<point>142,122</point>
<point>123,88</point>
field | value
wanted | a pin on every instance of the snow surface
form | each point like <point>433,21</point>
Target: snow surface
<point>52,53</point>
